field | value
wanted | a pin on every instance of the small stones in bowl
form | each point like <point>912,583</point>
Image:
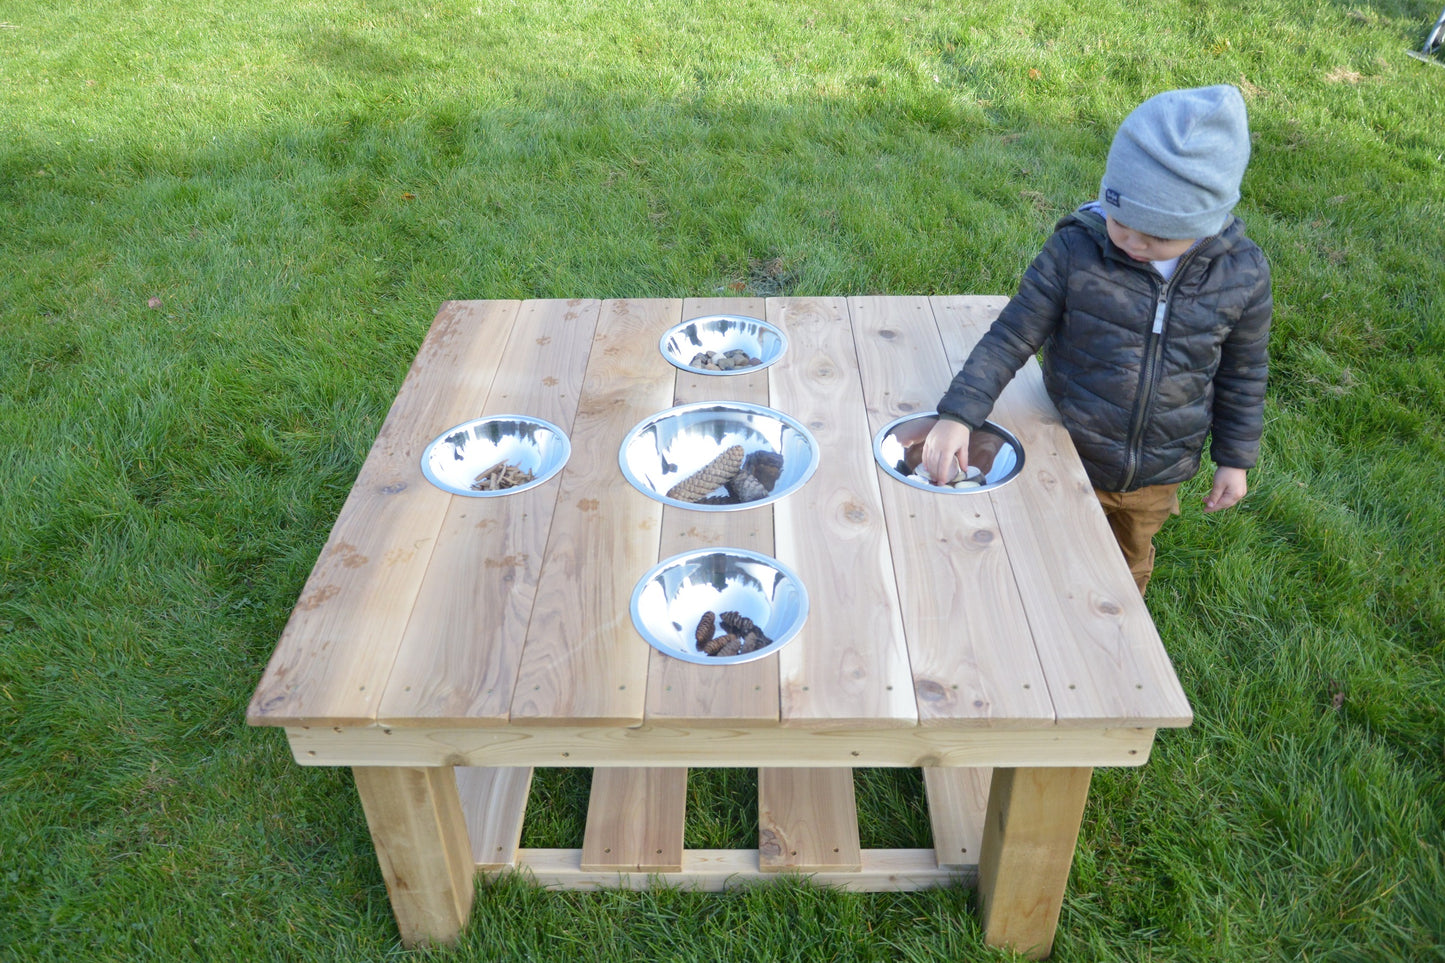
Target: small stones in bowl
<point>970,477</point>
<point>734,360</point>
<point>995,456</point>
<point>723,344</point>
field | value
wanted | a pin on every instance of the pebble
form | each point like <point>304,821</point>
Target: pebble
<point>724,360</point>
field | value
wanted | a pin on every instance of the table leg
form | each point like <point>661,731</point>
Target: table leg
<point>1029,836</point>
<point>416,821</point>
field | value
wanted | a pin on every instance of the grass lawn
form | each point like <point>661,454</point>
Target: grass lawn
<point>225,228</point>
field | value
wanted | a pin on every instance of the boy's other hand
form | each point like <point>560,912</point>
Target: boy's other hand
<point>945,451</point>
<point>1229,488</point>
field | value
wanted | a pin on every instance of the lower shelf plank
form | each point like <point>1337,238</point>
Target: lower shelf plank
<point>807,821</point>
<point>494,802</point>
<point>957,808</point>
<point>715,870</point>
<point>635,820</point>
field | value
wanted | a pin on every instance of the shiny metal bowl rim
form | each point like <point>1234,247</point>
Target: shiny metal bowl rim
<point>921,485</point>
<point>678,363</point>
<point>702,658</point>
<point>743,406</point>
<point>564,442</point>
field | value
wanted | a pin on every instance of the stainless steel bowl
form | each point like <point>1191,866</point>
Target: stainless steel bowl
<point>723,333</point>
<point>992,450</point>
<point>458,456</point>
<point>670,600</point>
<point>673,445</point>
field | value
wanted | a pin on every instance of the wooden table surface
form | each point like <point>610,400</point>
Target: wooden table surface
<point>998,629</point>
<point>1010,609</point>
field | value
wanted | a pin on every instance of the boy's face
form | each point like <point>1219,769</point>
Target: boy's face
<point>1145,247</point>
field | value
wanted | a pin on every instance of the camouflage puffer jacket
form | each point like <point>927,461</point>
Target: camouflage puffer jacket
<point>1142,370</point>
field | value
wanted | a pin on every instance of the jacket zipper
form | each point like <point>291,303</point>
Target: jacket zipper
<point>1149,371</point>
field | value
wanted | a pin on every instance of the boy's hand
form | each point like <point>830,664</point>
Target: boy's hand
<point>1229,488</point>
<point>945,451</point>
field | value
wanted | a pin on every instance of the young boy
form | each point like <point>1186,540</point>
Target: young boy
<point>1151,309</point>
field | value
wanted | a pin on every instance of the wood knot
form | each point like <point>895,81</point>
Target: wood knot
<point>855,513</point>
<point>930,691</point>
<point>983,536</point>
<point>887,334</point>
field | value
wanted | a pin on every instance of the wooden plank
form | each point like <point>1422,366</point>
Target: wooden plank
<point>969,641</point>
<point>338,648</point>
<point>807,821</point>
<point>635,820</point>
<point>647,745</point>
<point>1098,646</point>
<point>849,664</point>
<point>494,804</point>
<point>583,661</point>
<point>416,822</point>
<point>957,802</point>
<point>684,693</point>
<point>718,870</point>
<point>459,654</point>
<point>1029,836</point>
<point>681,692</point>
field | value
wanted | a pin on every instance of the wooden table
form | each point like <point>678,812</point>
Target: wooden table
<point>444,646</point>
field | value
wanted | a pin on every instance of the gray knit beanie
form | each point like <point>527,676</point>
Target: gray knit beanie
<point>1176,162</point>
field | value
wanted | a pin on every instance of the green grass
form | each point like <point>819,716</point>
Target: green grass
<point>225,227</point>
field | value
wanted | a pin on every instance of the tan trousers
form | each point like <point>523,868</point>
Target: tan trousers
<point>1135,517</point>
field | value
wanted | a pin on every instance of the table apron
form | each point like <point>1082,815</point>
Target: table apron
<point>561,746</point>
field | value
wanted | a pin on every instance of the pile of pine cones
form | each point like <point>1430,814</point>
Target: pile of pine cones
<point>740,636</point>
<point>746,479</point>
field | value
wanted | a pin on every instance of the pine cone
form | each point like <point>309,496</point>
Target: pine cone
<point>765,466</point>
<point>736,623</point>
<point>733,646</point>
<point>755,640</point>
<point>715,646</point>
<point>746,488</point>
<point>713,475</point>
<point>705,628</point>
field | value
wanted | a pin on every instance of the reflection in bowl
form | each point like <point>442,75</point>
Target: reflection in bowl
<point>680,456</point>
<point>995,456</point>
<point>677,594</point>
<point>699,345</point>
<point>495,455</point>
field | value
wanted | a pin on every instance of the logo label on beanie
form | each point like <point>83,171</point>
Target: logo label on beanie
<point>1111,196</point>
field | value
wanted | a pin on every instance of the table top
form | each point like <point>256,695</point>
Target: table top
<point>1003,610</point>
